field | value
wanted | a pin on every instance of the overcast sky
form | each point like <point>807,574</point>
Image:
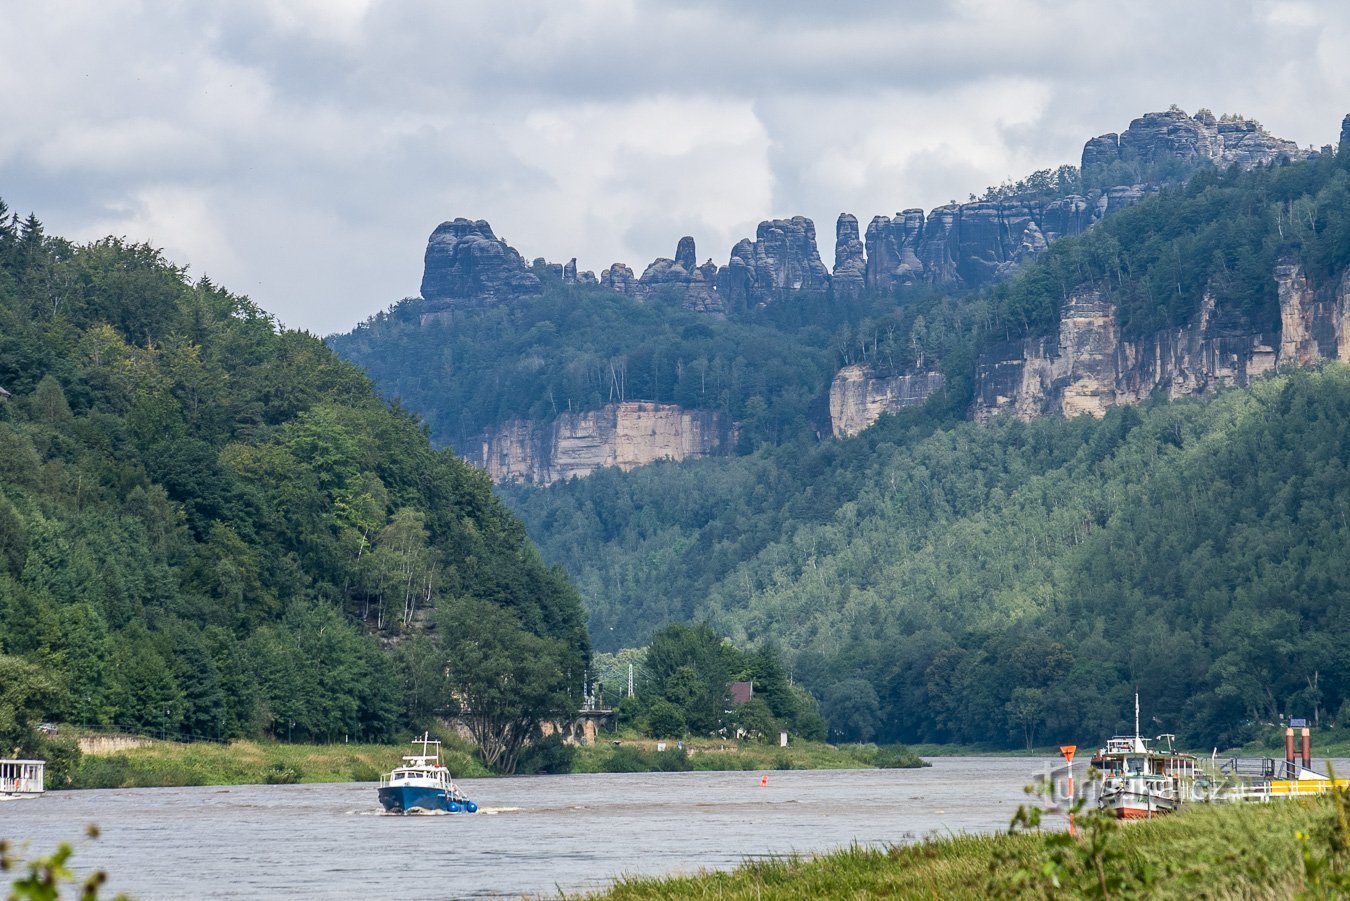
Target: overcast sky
<point>301,152</point>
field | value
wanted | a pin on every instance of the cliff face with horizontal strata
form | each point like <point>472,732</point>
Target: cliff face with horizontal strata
<point>626,435</point>
<point>1086,367</point>
<point>859,396</point>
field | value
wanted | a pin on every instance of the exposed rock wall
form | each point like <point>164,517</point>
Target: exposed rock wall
<point>850,259</point>
<point>782,258</point>
<point>626,435</point>
<point>859,397</point>
<point>1086,367</point>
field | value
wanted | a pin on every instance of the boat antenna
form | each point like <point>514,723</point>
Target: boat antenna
<point>1136,714</point>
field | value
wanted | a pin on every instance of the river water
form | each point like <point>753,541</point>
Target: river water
<point>533,835</point>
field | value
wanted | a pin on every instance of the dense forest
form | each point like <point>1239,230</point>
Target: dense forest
<point>210,526</point>
<point>1011,583</point>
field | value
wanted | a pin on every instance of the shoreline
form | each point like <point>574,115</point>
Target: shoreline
<point>122,761</point>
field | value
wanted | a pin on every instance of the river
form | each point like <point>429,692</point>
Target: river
<point>533,835</point>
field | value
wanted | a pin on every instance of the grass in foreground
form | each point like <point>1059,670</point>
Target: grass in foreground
<point>1279,850</point>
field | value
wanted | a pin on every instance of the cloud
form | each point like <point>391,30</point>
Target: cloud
<point>302,152</point>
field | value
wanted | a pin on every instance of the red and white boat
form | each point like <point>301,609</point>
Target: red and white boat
<point>1142,777</point>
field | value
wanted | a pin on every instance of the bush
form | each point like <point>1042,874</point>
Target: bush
<point>548,755</point>
<point>282,774</point>
<point>630,759</point>
<point>897,757</point>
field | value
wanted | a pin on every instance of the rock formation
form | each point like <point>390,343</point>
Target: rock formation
<point>1086,367</point>
<point>782,258</point>
<point>619,279</point>
<point>967,244</point>
<point>859,396</point>
<point>1172,143</point>
<point>626,435</point>
<point>697,284</point>
<point>850,259</point>
<point>466,265</point>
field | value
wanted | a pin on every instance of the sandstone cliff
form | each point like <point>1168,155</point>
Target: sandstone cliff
<point>859,396</point>
<point>1086,367</point>
<point>626,435</point>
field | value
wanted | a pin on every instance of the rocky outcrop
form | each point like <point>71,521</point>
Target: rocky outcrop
<point>893,249</point>
<point>969,245</point>
<point>619,279</point>
<point>697,285</point>
<point>1086,367</point>
<point>467,266</point>
<point>859,396</point>
<point>1167,145</point>
<point>783,258</point>
<point>626,435</point>
<point>850,258</point>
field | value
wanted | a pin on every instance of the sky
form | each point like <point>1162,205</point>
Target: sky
<point>301,151</point>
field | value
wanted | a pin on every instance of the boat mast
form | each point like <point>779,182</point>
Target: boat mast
<point>1136,714</point>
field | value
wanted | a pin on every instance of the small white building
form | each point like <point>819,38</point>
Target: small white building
<point>21,778</point>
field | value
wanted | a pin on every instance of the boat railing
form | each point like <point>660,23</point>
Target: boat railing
<point>1266,768</point>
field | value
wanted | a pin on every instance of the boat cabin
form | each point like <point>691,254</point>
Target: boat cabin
<point>19,778</point>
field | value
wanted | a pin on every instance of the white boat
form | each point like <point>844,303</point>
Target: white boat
<point>422,785</point>
<point>21,779</point>
<point>1142,777</point>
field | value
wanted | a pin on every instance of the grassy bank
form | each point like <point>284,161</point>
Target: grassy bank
<point>160,763</point>
<point>1217,852</point>
<point>710,754</point>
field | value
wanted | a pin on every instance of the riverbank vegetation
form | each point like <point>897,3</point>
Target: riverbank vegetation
<point>153,763</point>
<point>156,764</point>
<point>1287,849</point>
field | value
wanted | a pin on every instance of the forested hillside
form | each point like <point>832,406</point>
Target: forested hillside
<point>211,526</point>
<point>1011,583</point>
<point>576,347</point>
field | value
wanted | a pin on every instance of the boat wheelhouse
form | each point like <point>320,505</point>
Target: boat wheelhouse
<point>22,778</point>
<point>422,784</point>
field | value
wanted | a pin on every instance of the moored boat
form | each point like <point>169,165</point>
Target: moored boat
<point>1142,777</point>
<point>422,785</point>
<point>21,779</point>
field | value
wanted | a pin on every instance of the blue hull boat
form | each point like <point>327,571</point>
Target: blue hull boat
<point>420,799</point>
<point>422,785</point>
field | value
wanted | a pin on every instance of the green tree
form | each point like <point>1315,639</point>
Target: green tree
<point>507,681</point>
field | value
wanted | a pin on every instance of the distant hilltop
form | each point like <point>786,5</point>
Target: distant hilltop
<point>958,244</point>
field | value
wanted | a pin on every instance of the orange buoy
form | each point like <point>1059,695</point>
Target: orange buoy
<point>763,781</point>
